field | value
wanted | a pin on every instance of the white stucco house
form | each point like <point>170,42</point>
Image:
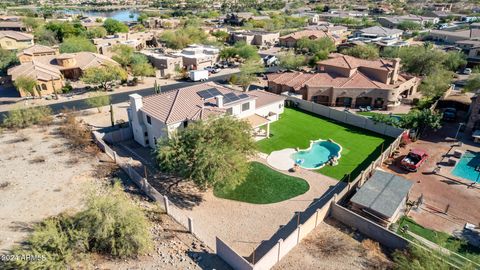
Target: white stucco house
<point>158,116</point>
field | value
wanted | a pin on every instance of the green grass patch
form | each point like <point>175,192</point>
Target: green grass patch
<point>297,128</point>
<point>440,238</point>
<point>264,185</point>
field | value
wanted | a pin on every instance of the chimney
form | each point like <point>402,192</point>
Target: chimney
<point>219,99</point>
<point>396,69</point>
<point>136,103</point>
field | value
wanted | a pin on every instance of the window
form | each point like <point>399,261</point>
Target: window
<point>149,119</point>
<point>280,105</point>
<point>230,111</point>
<point>44,86</point>
<point>185,124</point>
<point>245,106</point>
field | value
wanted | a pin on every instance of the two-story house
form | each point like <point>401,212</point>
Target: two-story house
<point>347,81</point>
<point>158,116</point>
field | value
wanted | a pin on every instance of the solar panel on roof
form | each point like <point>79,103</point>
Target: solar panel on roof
<point>214,92</point>
<point>230,95</point>
<point>205,94</point>
<point>242,96</point>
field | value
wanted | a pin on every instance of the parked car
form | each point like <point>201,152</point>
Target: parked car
<point>212,69</point>
<point>222,64</point>
<point>270,60</point>
<point>414,159</point>
<point>450,114</point>
<point>467,71</point>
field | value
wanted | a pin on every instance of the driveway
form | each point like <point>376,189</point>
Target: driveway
<point>449,201</point>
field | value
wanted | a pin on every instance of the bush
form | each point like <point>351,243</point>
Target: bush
<point>22,118</point>
<point>78,135</point>
<point>67,88</point>
<point>98,101</point>
<point>111,224</point>
<point>115,226</point>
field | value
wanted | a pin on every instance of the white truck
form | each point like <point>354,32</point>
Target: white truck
<point>198,75</point>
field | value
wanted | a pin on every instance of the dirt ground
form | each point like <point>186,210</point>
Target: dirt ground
<point>328,247</point>
<point>449,201</point>
<point>41,177</point>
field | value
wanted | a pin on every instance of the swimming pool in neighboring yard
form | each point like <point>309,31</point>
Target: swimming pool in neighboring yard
<point>317,155</point>
<point>468,167</point>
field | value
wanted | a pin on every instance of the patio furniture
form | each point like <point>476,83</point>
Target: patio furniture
<point>458,153</point>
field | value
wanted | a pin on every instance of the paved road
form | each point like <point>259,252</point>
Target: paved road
<point>122,96</point>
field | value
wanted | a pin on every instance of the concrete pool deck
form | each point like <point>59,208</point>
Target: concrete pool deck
<point>281,160</point>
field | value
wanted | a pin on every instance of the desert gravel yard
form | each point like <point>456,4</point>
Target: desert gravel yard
<point>39,178</point>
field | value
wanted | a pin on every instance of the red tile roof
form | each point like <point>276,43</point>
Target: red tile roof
<point>346,61</point>
<point>185,103</point>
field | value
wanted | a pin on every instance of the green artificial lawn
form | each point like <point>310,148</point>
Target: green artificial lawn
<point>296,128</point>
<point>264,185</point>
<point>440,238</point>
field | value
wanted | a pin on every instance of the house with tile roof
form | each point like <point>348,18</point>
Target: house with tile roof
<point>158,116</point>
<point>375,32</point>
<point>13,40</point>
<point>347,81</point>
<point>50,70</point>
<point>290,40</point>
<point>28,54</point>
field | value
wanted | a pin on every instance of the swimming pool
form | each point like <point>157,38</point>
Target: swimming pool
<point>467,166</point>
<point>317,155</point>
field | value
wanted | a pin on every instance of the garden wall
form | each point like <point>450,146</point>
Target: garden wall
<point>368,228</point>
<point>312,217</point>
<point>135,174</point>
<point>346,117</point>
<point>271,251</point>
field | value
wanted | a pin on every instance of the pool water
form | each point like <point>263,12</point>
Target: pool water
<point>467,166</point>
<point>317,155</point>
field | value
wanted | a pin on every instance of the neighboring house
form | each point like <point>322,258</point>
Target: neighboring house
<point>138,41</point>
<point>158,116</point>
<point>375,32</point>
<point>290,40</point>
<point>339,32</point>
<point>443,14</point>
<point>258,38</point>
<point>199,56</point>
<point>473,123</point>
<point>51,70</point>
<point>28,54</point>
<point>346,81</point>
<point>449,37</point>
<point>383,198</point>
<point>13,40</point>
<point>13,25</point>
<point>166,64</point>
<point>48,79</point>
<point>156,23</point>
<point>394,21</point>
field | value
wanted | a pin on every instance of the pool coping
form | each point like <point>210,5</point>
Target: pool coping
<point>310,147</point>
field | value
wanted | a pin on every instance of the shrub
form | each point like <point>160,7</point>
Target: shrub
<point>77,134</point>
<point>23,118</point>
<point>67,88</point>
<point>115,226</point>
<point>98,101</point>
<point>111,224</point>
